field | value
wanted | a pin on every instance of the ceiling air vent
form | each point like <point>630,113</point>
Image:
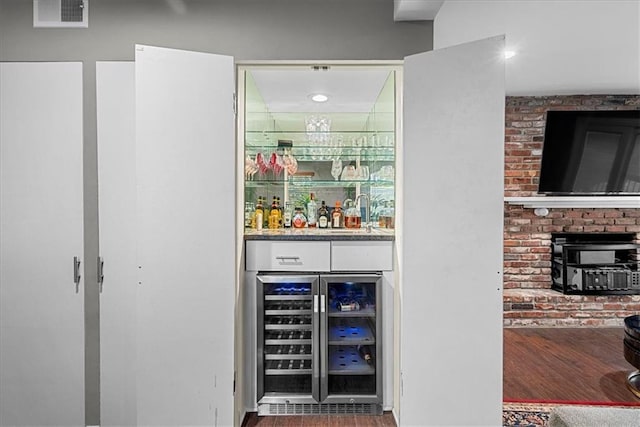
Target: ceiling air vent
<point>61,13</point>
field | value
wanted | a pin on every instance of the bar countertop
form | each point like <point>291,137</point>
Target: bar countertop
<point>320,234</point>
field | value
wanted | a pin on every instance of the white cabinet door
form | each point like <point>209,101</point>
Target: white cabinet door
<point>451,344</point>
<point>186,237</point>
<point>41,231</point>
<point>115,111</point>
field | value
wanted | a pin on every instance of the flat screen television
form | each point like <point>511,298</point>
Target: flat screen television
<point>591,153</point>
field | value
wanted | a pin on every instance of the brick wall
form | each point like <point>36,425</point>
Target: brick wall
<point>527,237</point>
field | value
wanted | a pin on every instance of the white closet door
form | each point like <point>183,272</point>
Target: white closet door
<point>186,226</point>
<point>451,344</point>
<point>41,231</point>
<point>115,108</point>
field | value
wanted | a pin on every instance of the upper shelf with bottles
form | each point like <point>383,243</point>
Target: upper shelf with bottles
<point>337,150</point>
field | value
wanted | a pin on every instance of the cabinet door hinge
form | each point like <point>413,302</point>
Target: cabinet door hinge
<point>235,104</point>
<point>100,272</point>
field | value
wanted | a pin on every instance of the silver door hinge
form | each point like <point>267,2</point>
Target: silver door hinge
<point>100,272</point>
<point>76,273</point>
<point>235,104</point>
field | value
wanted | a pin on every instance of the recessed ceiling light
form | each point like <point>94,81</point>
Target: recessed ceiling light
<point>509,54</point>
<point>318,97</point>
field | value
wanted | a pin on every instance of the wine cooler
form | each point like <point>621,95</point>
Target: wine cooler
<point>319,346</point>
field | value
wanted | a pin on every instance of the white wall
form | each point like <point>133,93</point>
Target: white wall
<point>564,47</point>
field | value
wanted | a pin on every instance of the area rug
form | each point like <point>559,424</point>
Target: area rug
<point>525,414</point>
<point>536,413</point>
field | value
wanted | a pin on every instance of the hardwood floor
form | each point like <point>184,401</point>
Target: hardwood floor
<point>566,364</point>
<point>540,364</point>
<point>384,420</point>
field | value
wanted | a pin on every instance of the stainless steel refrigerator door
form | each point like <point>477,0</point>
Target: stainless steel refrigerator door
<point>288,355</point>
<point>350,320</point>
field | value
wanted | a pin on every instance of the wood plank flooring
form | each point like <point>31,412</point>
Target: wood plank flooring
<point>566,364</point>
<point>384,420</point>
<point>540,364</point>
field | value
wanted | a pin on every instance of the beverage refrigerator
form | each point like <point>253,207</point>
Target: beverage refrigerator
<point>319,343</point>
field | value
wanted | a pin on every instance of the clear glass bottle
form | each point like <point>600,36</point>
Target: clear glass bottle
<point>312,211</point>
<point>352,217</point>
<point>259,216</point>
<point>382,215</point>
<point>391,215</point>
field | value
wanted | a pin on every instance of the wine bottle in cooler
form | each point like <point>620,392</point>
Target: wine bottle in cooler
<point>365,352</point>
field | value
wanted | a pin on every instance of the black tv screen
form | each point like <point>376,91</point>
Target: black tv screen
<point>591,153</point>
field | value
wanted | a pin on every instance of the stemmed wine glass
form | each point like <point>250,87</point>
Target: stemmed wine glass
<point>336,168</point>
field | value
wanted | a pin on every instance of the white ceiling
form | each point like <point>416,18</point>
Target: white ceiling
<point>563,47</point>
<point>350,89</point>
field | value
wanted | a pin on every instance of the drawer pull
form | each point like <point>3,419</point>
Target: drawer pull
<point>288,258</point>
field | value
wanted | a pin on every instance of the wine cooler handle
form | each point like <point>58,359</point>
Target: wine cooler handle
<point>322,301</point>
<point>315,303</point>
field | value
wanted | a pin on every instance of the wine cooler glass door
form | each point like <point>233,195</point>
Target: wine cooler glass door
<point>288,368</point>
<point>351,335</point>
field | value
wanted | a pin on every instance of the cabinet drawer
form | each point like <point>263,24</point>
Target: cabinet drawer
<point>288,256</point>
<point>368,255</point>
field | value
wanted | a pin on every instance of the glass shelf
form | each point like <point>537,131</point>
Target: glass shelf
<point>320,183</point>
<point>305,133</point>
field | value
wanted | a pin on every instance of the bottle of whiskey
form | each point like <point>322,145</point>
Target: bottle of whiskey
<point>259,216</point>
<point>274,215</point>
<point>337,217</point>
<point>280,213</point>
<point>312,212</point>
<point>323,216</point>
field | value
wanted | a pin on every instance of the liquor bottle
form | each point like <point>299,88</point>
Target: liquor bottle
<point>352,217</point>
<point>274,215</point>
<point>350,305</point>
<point>299,220</point>
<point>249,213</point>
<point>391,215</point>
<point>365,352</point>
<point>312,212</point>
<point>259,216</point>
<point>280,213</point>
<point>323,216</point>
<point>337,217</point>
<point>382,216</point>
<point>288,214</point>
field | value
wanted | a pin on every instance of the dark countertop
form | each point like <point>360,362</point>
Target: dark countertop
<point>320,234</point>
